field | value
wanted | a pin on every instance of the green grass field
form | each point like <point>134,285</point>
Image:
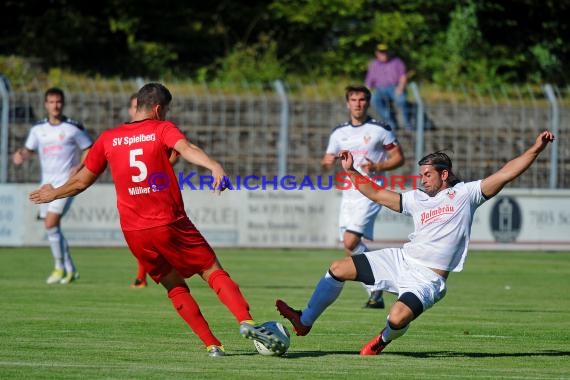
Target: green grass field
<point>506,316</point>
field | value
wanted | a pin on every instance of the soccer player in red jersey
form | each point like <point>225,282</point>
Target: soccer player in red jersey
<point>140,279</point>
<point>151,211</point>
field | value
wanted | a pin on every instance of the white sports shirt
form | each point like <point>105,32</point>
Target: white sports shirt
<point>59,148</point>
<point>371,139</point>
<point>442,225</point>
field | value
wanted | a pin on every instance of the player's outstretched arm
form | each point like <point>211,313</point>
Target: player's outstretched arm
<point>75,185</point>
<point>384,197</point>
<point>194,155</point>
<point>494,183</point>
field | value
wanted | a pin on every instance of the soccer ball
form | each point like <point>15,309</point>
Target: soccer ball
<point>281,332</point>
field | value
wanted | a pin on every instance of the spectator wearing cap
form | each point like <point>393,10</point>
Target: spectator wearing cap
<point>387,78</point>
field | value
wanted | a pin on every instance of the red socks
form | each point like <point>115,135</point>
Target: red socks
<point>228,292</point>
<point>141,273</point>
<point>189,310</point>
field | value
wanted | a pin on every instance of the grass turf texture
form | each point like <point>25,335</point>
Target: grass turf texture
<point>506,316</point>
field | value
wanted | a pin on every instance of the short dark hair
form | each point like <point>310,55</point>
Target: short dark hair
<point>55,91</point>
<point>151,94</point>
<point>357,88</point>
<point>441,161</point>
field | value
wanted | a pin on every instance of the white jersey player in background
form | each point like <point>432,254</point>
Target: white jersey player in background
<point>443,214</point>
<point>61,144</point>
<point>376,150</point>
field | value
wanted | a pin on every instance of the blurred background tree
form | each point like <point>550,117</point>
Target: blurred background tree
<point>443,42</point>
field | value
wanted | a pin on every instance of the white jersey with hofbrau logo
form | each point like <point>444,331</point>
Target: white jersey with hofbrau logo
<point>371,139</point>
<point>442,225</point>
<point>59,148</point>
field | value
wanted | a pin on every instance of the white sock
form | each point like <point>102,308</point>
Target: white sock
<point>54,237</point>
<point>67,260</point>
<point>359,249</point>
<point>326,292</point>
<point>389,333</point>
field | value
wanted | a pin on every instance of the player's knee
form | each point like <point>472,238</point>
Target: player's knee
<point>177,290</point>
<point>352,240</point>
<point>335,269</point>
<point>53,234</point>
<point>408,308</point>
<point>350,244</point>
<point>173,280</point>
<point>398,321</point>
<point>341,270</point>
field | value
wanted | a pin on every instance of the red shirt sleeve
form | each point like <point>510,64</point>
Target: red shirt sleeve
<point>171,134</point>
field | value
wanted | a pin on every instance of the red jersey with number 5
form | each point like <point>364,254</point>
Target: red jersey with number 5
<point>146,186</point>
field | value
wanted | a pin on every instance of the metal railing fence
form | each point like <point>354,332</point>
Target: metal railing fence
<point>243,128</point>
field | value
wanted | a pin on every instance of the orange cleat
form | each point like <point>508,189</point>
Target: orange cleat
<point>139,283</point>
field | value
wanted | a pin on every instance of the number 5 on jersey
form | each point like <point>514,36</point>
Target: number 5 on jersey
<point>137,164</point>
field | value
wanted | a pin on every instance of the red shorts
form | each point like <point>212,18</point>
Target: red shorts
<point>177,246</point>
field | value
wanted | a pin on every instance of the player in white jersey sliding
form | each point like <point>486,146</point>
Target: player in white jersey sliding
<point>443,214</point>
<point>61,144</point>
<point>376,150</point>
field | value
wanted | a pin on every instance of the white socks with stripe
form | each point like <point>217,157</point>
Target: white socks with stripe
<point>60,250</point>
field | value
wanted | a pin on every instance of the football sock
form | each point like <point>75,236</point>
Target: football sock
<point>54,237</point>
<point>359,249</point>
<point>67,260</point>
<point>326,292</point>
<point>390,333</point>
<point>189,310</point>
<point>228,292</point>
<point>141,271</point>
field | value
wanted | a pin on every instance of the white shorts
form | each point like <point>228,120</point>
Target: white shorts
<point>358,215</point>
<point>395,274</point>
<point>59,206</point>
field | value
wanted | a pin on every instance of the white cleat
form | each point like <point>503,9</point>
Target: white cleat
<point>214,351</point>
<point>55,277</point>
<point>69,277</point>
<point>264,336</point>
